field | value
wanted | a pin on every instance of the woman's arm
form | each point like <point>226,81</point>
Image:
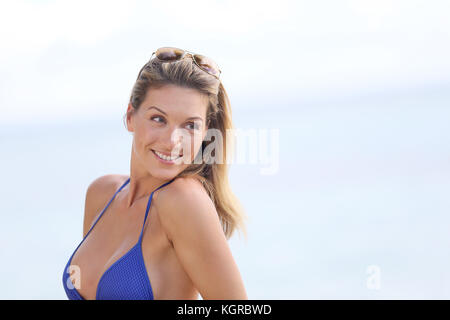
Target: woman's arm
<point>192,225</point>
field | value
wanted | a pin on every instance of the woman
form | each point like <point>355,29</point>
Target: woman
<point>165,232</point>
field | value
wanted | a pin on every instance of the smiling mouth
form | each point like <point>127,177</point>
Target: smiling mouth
<point>164,157</point>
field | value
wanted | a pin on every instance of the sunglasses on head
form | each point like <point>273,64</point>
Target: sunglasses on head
<point>169,54</point>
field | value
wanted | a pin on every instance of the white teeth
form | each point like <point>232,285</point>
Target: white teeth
<point>165,157</point>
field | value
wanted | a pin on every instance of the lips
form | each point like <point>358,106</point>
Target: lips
<point>165,156</point>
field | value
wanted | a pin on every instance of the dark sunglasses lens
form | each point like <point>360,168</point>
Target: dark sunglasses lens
<point>207,64</point>
<point>169,54</point>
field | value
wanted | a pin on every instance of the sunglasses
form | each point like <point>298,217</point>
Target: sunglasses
<point>169,54</point>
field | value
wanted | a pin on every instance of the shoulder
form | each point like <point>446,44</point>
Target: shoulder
<point>186,193</point>
<point>184,203</point>
<point>193,228</point>
<point>99,191</point>
<point>182,188</point>
<point>104,187</point>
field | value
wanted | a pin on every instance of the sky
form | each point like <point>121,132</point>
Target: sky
<point>66,59</point>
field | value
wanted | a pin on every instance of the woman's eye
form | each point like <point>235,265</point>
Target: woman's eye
<point>157,117</point>
<point>193,126</point>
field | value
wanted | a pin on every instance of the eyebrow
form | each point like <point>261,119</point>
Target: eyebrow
<point>153,107</point>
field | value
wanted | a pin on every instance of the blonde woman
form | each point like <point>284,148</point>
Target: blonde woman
<point>162,231</point>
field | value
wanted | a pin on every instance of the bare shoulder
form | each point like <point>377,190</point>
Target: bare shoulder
<point>183,187</point>
<point>193,227</point>
<point>98,193</point>
<point>183,200</point>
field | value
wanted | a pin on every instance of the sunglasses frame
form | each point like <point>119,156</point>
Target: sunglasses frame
<point>192,55</point>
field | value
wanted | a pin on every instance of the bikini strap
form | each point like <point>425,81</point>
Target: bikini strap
<point>104,209</point>
<point>148,206</point>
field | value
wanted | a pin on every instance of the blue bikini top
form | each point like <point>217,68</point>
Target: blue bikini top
<point>125,279</point>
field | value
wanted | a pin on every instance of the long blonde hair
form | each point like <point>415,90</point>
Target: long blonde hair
<point>213,176</point>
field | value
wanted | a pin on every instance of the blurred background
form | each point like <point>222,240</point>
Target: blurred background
<point>359,91</point>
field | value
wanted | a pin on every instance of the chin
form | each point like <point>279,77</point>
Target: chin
<point>164,174</point>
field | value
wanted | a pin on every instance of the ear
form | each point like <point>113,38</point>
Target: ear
<point>130,112</point>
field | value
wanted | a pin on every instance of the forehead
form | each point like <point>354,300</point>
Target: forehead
<point>176,101</point>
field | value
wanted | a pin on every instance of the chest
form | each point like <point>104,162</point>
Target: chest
<point>112,237</point>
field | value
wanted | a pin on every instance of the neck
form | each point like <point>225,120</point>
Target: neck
<point>142,183</point>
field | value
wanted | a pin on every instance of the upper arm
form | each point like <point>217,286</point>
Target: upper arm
<point>96,195</point>
<point>191,222</point>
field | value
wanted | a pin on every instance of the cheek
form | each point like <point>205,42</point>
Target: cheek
<point>195,144</point>
<point>191,146</point>
<point>144,137</point>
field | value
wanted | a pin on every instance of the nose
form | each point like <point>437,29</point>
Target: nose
<point>171,140</point>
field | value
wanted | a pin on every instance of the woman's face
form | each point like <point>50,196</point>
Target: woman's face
<point>171,121</point>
